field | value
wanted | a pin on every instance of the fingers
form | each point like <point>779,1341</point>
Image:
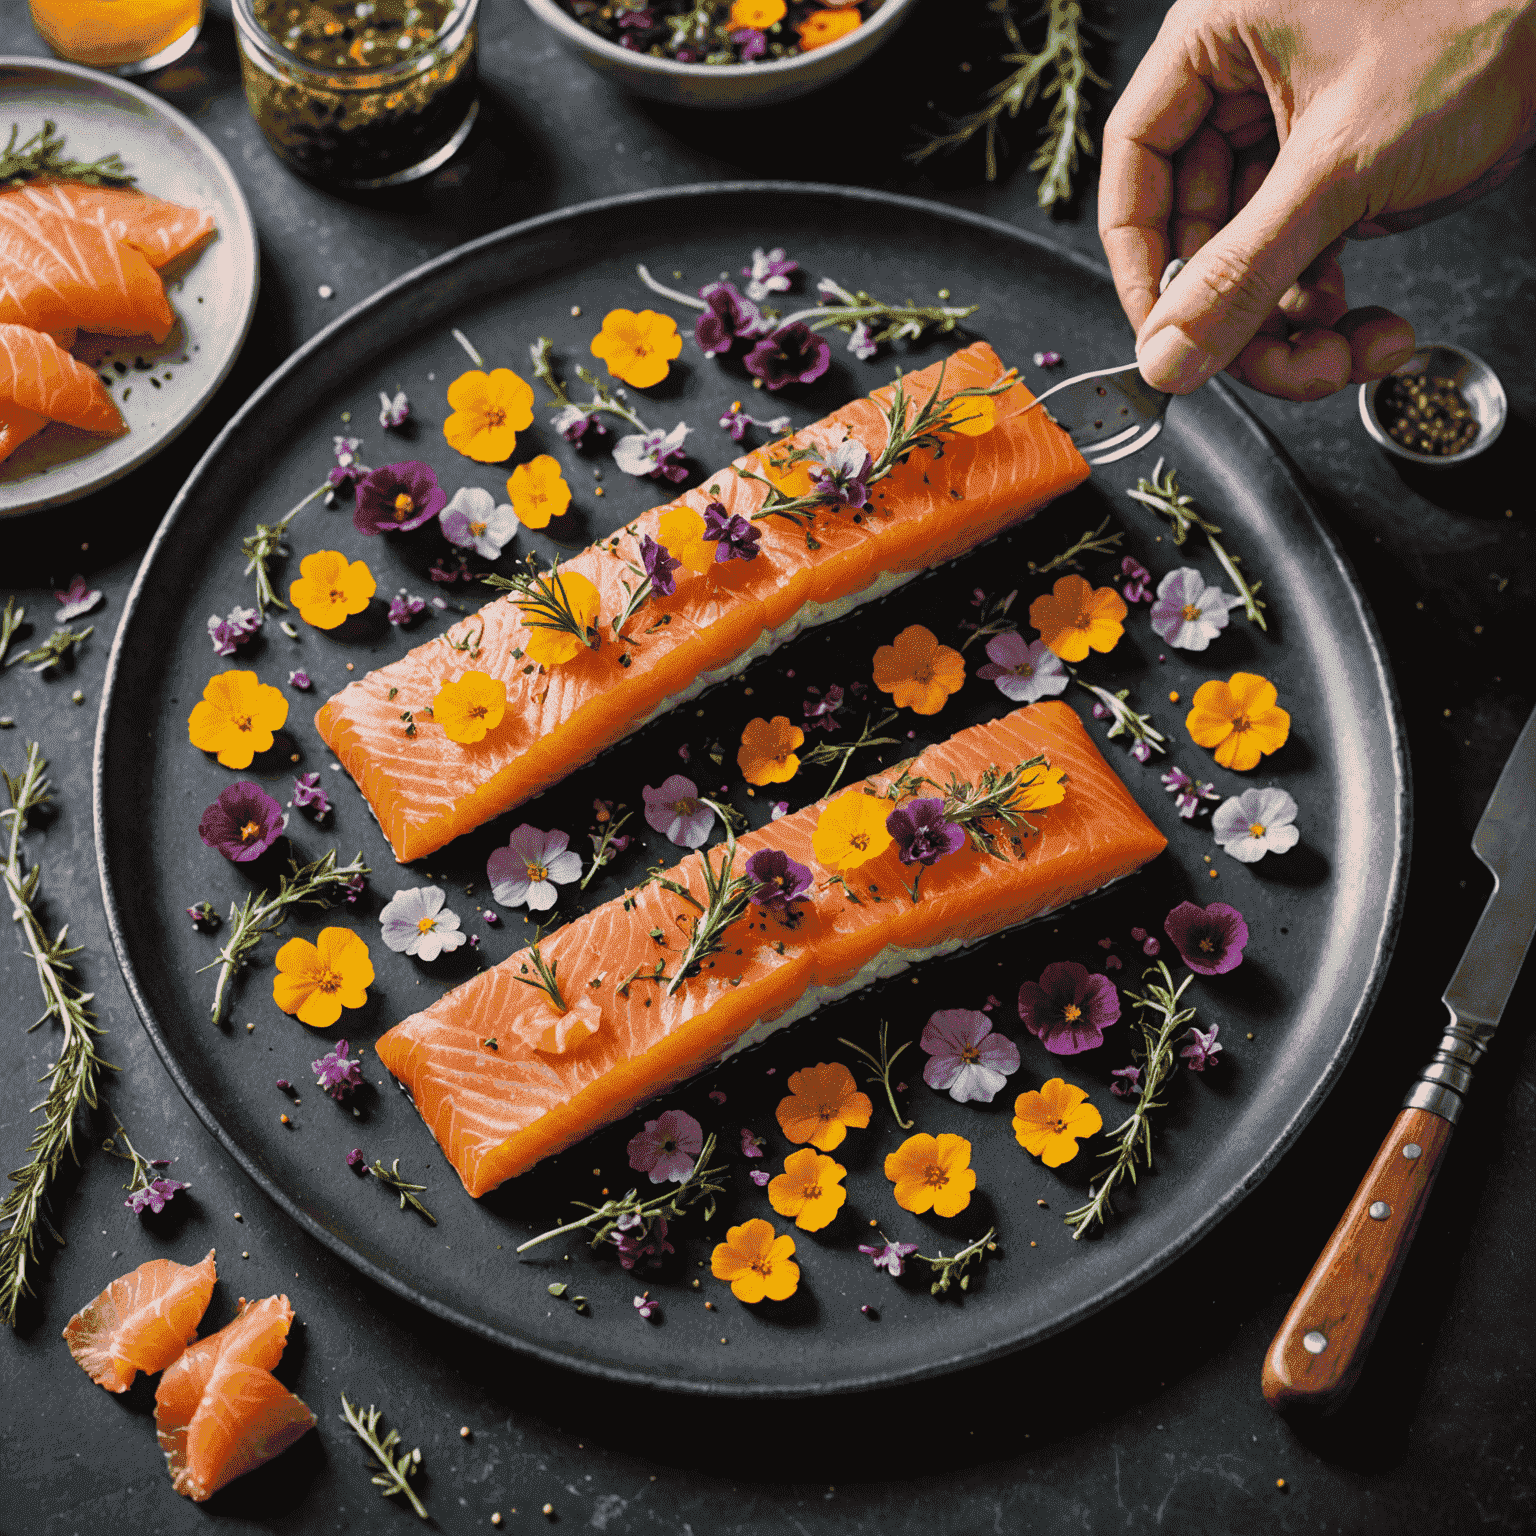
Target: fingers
<point>1202,190</point>
<point>1379,341</point>
<point>1318,360</point>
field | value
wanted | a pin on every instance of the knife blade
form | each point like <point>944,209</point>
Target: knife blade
<point>1321,1346</point>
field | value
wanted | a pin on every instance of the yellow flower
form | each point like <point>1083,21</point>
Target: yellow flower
<point>489,410</point>
<point>823,27</point>
<point>235,717</point>
<point>1049,1123</point>
<point>1076,616</point>
<point>1042,787</point>
<point>681,531</point>
<point>1239,719</point>
<point>757,13</point>
<point>469,708</point>
<point>823,1102</point>
<point>918,672</point>
<point>756,1263</point>
<point>851,831</point>
<point>810,1190</point>
<point>330,589</point>
<point>932,1173</point>
<point>767,754</point>
<point>791,480</point>
<point>971,415</point>
<point>316,981</point>
<point>549,646</point>
<point>637,348</point>
<point>538,491</point>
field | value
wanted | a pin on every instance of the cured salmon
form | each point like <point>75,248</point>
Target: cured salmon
<point>141,1322</point>
<point>161,230</point>
<point>40,382</point>
<point>426,790</point>
<point>504,1080</point>
<point>219,1411</point>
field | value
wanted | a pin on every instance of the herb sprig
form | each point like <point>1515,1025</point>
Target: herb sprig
<point>842,752</point>
<point>883,1065</point>
<point>993,621</point>
<point>727,897</point>
<point>265,545</point>
<point>544,602</point>
<point>604,400</point>
<point>1095,542</point>
<point>43,155</point>
<point>395,1472</point>
<point>56,648</point>
<point>1145,737</point>
<point>601,843</point>
<point>956,1268</point>
<point>10,621</point>
<point>544,979</point>
<point>392,1179</point>
<point>998,796</point>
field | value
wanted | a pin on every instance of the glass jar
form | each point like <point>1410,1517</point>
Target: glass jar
<point>129,37</point>
<point>336,110</point>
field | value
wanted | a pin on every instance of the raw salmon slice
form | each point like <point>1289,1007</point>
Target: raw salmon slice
<point>57,271</point>
<point>40,382</point>
<point>219,1411</point>
<point>498,1108</point>
<point>141,1322</point>
<point>162,231</point>
<point>426,790</point>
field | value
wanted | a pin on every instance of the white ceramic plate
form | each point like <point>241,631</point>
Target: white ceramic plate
<point>213,291</point>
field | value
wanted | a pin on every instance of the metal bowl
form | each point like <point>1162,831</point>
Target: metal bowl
<point>1478,383</point>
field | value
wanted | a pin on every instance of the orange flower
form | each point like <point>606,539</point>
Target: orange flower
<point>316,981</point>
<point>810,1189</point>
<point>971,415</point>
<point>1049,1123</point>
<point>538,491</point>
<point>918,672</point>
<point>549,647</point>
<point>681,531</point>
<point>1239,719</point>
<point>823,27</point>
<point>235,718</point>
<point>1076,617</point>
<point>1041,788</point>
<point>823,1102</point>
<point>330,589</point>
<point>755,1262</point>
<point>791,480</point>
<point>851,831</point>
<point>489,410</point>
<point>767,754</point>
<point>757,13</point>
<point>469,708</point>
<point>932,1173</point>
<point>637,348</point>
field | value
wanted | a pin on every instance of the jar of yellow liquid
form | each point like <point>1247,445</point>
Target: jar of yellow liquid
<point>129,37</point>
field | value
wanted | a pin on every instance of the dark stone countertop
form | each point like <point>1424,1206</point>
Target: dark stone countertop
<point>1148,1416</point>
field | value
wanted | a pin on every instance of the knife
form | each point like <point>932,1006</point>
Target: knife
<point>1321,1345</point>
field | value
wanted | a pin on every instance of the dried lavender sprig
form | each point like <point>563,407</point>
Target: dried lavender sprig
<point>956,1267</point>
<point>1096,542</point>
<point>392,1179</point>
<point>394,1473</point>
<point>265,544</point>
<point>43,155</point>
<point>54,649</point>
<point>603,398</point>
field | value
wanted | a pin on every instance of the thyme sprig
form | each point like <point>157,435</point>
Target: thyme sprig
<point>54,649</point>
<point>993,621</point>
<point>316,884</point>
<point>74,1079</point>
<point>395,1472</point>
<point>997,796</point>
<point>1163,495</point>
<point>842,752</point>
<point>544,978</point>
<point>43,155</point>
<point>145,1169</point>
<point>266,544</point>
<point>10,621</point>
<point>1095,542</point>
<point>392,1179</point>
<point>1127,721</point>
<point>956,1268</point>
<point>883,1065</point>
<point>1159,1019</point>
<point>610,402</point>
<point>727,897</point>
<point>544,602</point>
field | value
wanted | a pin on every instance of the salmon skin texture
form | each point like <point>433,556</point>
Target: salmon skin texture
<point>40,382</point>
<point>162,231</point>
<point>932,507</point>
<point>498,1110</point>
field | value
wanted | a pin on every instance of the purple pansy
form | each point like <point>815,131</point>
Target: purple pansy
<point>308,795</point>
<point>770,272</point>
<point>1187,792</point>
<point>154,1195</point>
<point>76,599</point>
<point>573,424</point>
<point>736,421</point>
<point>403,607</point>
<point>415,922</point>
<point>658,454</point>
<point>667,1147</point>
<point>777,809</point>
<point>780,881</point>
<point>674,809</point>
<point>472,520</point>
<point>966,1055</point>
<point>234,631</point>
<point>821,713</point>
<point>1188,614</point>
<point>843,475</point>
<point>793,354</point>
<point>529,868</point>
<point>922,834</point>
<point>888,1255</point>
<point>1256,822</point>
<point>242,823</point>
<point>349,468</point>
<point>1128,1083</point>
<point>397,497</point>
<point>727,316</point>
<point>1200,1048</point>
<point>1024,671</point>
<point>861,343</point>
<point>659,566</point>
<point>1069,1008</point>
<point>337,1073</point>
<point>734,537</point>
<point>1209,939</point>
<point>300,680</point>
<point>1138,583</point>
<point>394,410</point>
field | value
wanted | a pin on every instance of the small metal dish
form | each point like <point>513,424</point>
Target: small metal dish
<point>1478,383</point>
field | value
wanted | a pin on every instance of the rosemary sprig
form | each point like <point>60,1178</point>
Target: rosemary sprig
<point>544,979</point>
<point>544,602</point>
<point>882,1064</point>
<point>43,155</point>
<point>957,1266</point>
<point>394,1472</point>
<point>54,649</point>
<point>841,752</point>
<point>1096,542</point>
<point>997,796</point>
<point>391,1178</point>
<point>603,399</point>
<point>316,884</point>
<point>1163,495</point>
<point>727,897</point>
<point>10,621</point>
<point>73,1081</point>
<point>267,543</point>
<point>1145,737</point>
<point>1160,1019</point>
<point>993,620</point>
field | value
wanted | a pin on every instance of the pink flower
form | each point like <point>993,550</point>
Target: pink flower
<point>1130,1082</point>
<point>1200,1048</point>
<point>674,809</point>
<point>1069,1009</point>
<point>751,1146</point>
<point>888,1255</point>
<point>1024,671</point>
<point>966,1055</point>
<point>1209,940</point>
<point>667,1148</point>
<point>529,868</point>
<point>337,1074</point>
<point>76,599</point>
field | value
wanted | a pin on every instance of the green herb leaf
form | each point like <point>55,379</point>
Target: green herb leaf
<point>43,155</point>
<point>394,1473</point>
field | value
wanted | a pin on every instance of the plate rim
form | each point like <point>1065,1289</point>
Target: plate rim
<point>1279,1144</point>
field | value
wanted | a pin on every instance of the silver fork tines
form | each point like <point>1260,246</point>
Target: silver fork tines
<point>1109,413</point>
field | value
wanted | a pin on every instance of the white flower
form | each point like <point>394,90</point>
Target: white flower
<point>649,453</point>
<point>1188,614</point>
<point>1256,822</point>
<point>416,923</point>
<point>769,273</point>
<point>472,520</point>
<point>529,868</point>
<point>861,343</point>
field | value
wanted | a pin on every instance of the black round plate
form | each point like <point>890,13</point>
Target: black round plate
<point>1322,916</point>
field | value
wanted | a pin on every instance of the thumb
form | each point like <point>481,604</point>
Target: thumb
<point>1232,284</point>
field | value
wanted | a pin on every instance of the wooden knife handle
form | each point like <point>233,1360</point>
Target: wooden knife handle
<point>1321,1345</point>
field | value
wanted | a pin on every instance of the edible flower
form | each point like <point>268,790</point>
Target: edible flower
<point>236,717</point>
<point>1188,614</point>
<point>1256,822</point>
<point>489,410</point>
<point>551,646</point>
<point>638,348</point>
<point>736,421</point>
<point>810,1190</point>
<point>889,1256</point>
<point>681,529</point>
<point>204,918</point>
<point>751,1146</point>
<point>637,1239</point>
<point>349,469</point>
<point>1200,1047</point>
<point>300,680</point>
<point>820,710</point>
<point>234,631</point>
<point>932,1173</point>
<point>1138,583</point>
<point>1049,1123</point>
<point>751,43</point>
<point>538,491</point>
<point>971,415</point>
<point>674,809</point>
<point>242,823</point>
<point>397,497</point>
<point>658,565</point>
<point>770,272</point>
<point>527,870</point>
<point>1239,720</point>
<point>1025,671</point>
<point>1187,792</point>
<point>415,923</point>
<point>154,1195</point>
<point>1209,939</point>
<point>793,354</point>
<point>77,598</point>
<point>667,1148</point>
<point>732,535</point>
<point>403,608</point>
<point>316,981</point>
<point>1128,1084</point>
<point>310,795</point>
<point>823,27</point>
<point>918,672</point>
<point>573,424</point>
<point>760,14</point>
<point>338,1074</point>
<point>330,588</point>
<point>923,835</point>
<point>646,1307</point>
<point>471,707</point>
<point>851,831</point>
<point>1075,618</point>
<point>779,880</point>
<point>756,1262</point>
<point>789,476</point>
<point>767,752</point>
<point>861,341</point>
<point>472,519</point>
<point>394,410</point>
<point>1069,1009</point>
<point>843,475</point>
<point>658,455</point>
<point>357,1162</point>
<point>728,315</point>
<point>966,1055</point>
<point>823,1102</point>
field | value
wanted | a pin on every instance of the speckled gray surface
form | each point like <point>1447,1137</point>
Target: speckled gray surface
<point>1148,1417</point>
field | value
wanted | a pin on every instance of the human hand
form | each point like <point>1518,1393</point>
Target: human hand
<point>1256,135</point>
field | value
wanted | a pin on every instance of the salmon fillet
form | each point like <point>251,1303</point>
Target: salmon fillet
<point>162,231</point>
<point>496,1110</point>
<point>40,382</point>
<point>426,790</point>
